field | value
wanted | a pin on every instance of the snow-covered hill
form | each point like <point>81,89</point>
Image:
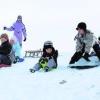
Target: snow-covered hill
<point>17,83</point>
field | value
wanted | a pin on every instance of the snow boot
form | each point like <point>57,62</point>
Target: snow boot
<point>32,70</point>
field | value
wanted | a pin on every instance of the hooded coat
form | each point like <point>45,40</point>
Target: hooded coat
<point>85,40</point>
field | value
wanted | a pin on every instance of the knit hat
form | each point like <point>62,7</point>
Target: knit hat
<point>4,36</point>
<point>48,44</point>
<point>19,17</point>
<point>81,25</point>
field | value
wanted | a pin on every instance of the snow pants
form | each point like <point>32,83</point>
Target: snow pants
<point>51,64</point>
<point>5,60</point>
<point>97,50</point>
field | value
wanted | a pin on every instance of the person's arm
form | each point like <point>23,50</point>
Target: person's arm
<point>88,43</point>
<point>78,46</point>
<point>24,32</point>
<point>55,54</point>
<point>10,29</point>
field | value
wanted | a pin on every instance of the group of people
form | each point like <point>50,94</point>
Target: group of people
<point>84,43</point>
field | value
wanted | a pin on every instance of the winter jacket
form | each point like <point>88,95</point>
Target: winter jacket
<point>5,50</point>
<point>53,55</point>
<point>19,30</point>
<point>85,40</point>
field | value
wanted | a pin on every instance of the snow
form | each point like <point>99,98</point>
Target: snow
<point>50,20</point>
<point>17,83</point>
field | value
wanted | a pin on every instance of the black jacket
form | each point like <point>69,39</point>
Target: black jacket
<point>5,48</point>
<point>53,55</point>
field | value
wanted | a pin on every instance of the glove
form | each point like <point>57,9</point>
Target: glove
<point>24,39</point>
<point>43,62</point>
<point>86,57</point>
<point>5,28</point>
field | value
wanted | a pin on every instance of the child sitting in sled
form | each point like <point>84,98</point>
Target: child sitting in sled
<point>5,50</point>
<point>48,60</point>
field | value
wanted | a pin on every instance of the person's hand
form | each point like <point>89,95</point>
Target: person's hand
<point>4,28</point>
<point>86,56</point>
<point>24,39</point>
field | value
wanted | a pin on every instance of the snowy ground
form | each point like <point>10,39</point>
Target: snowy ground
<point>17,83</point>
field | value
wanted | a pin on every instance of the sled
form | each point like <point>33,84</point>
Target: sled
<point>84,66</point>
<point>33,53</point>
<point>4,65</point>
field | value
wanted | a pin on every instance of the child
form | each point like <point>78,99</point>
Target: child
<point>19,30</point>
<point>5,50</point>
<point>48,60</point>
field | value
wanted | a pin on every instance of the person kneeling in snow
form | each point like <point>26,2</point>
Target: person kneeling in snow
<point>48,60</point>
<point>84,43</point>
<point>5,50</point>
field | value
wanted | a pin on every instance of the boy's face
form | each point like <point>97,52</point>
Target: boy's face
<point>49,50</point>
<point>3,40</point>
<point>81,31</point>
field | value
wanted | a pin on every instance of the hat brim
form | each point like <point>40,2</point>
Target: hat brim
<point>77,28</point>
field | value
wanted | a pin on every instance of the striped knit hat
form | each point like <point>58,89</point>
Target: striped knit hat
<point>48,44</point>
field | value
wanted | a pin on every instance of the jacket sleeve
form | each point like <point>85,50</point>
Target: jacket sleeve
<point>11,28</point>
<point>55,54</point>
<point>88,42</point>
<point>24,31</point>
<point>78,46</point>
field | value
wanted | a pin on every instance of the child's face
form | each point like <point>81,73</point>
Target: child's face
<point>19,19</point>
<point>3,40</point>
<point>49,50</point>
<point>81,31</point>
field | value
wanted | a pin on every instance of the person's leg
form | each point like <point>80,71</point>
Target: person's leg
<point>12,57</point>
<point>1,59</point>
<point>21,45</point>
<point>35,68</point>
<point>97,50</point>
<point>5,60</point>
<point>51,64</point>
<point>76,57</point>
<point>86,57</point>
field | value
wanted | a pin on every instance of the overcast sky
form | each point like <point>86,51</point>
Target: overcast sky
<point>53,20</point>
